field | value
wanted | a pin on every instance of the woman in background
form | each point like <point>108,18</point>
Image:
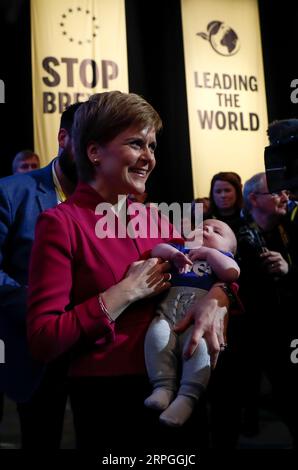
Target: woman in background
<point>226,199</point>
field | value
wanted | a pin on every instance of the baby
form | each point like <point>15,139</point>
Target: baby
<point>195,272</point>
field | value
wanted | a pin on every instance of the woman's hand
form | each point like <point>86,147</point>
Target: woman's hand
<point>274,263</point>
<point>143,279</point>
<point>147,278</point>
<point>209,317</point>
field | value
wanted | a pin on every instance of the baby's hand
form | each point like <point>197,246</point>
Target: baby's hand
<point>182,262</point>
<point>199,253</point>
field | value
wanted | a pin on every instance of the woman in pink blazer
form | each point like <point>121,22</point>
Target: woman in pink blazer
<point>92,290</point>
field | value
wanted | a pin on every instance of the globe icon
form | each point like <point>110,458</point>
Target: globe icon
<point>222,38</point>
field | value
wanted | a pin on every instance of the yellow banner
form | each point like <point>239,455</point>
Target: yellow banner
<point>225,88</point>
<point>78,49</point>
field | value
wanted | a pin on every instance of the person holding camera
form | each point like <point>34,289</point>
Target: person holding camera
<point>283,139</point>
<point>268,259</point>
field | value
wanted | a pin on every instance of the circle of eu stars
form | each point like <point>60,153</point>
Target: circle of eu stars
<point>69,34</point>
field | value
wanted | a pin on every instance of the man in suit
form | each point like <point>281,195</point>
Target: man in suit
<point>40,392</point>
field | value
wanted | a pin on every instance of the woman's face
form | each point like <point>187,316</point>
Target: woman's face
<point>125,162</point>
<point>224,195</point>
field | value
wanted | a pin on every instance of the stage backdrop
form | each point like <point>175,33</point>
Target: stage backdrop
<point>225,88</point>
<point>78,49</point>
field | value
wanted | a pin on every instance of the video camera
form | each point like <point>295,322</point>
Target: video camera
<point>281,162</point>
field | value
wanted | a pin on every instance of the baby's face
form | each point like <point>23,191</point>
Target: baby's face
<point>217,234</point>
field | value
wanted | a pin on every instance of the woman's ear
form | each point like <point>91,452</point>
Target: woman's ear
<point>93,153</point>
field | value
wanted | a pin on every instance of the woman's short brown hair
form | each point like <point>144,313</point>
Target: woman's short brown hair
<point>103,117</point>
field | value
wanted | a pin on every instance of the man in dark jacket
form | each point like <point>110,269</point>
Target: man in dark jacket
<point>39,392</point>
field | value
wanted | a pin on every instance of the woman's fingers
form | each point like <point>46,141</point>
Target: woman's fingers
<point>196,335</point>
<point>158,272</point>
<point>195,338</point>
<point>158,278</point>
<point>157,265</point>
<point>214,331</point>
<point>221,336</point>
<point>213,344</point>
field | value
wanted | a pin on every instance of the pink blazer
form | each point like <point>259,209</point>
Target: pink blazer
<point>69,267</point>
